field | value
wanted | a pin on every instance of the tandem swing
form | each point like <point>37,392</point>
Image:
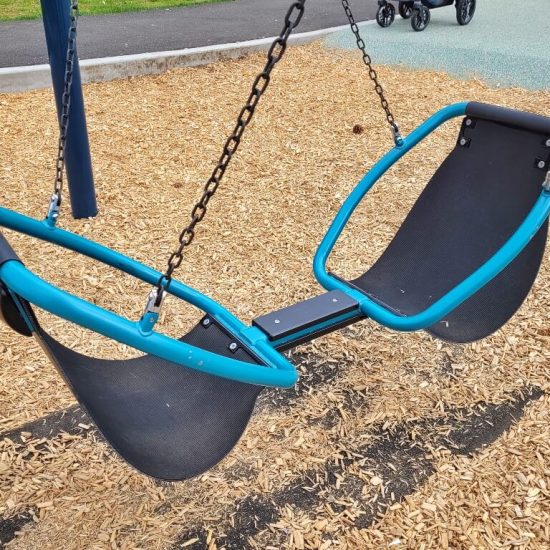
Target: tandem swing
<point>459,267</point>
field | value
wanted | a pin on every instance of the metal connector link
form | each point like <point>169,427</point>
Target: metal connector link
<point>53,210</point>
<point>152,310</point>
<point>155,300</point>
<point>546,183</point>
<point>396,135</point>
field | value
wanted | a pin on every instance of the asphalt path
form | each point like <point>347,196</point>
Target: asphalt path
<point>23,42</point>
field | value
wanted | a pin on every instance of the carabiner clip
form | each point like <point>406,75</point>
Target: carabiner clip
<point>152,311</point>
<point>53,210</point>
<point>396,134</point>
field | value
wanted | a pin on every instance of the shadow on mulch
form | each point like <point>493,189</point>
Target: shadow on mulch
<point>9,527</point>
<point>401,460</point>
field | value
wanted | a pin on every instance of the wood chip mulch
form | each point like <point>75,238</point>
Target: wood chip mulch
<point>358,458</point>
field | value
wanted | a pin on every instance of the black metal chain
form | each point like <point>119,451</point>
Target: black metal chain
<point>373,74</point>
<point>65,113</point>
<point>274,55</point>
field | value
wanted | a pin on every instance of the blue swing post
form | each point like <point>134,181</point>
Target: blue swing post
<point>56,18</point>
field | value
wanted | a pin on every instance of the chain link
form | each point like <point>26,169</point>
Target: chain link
<point>373,74</point>
<point>274,55</point>
<point>65,108</point>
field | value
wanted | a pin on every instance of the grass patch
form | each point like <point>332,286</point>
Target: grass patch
<point>11,10</point>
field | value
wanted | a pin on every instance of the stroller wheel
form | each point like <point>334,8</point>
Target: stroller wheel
<point>385,15</point>
<point>405,10</point>
<point>420,18</point>
<point>465,10</point>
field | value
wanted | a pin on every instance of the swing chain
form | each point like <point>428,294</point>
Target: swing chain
<point>397,138</point>
<point>260,85</point>
<point>55,203</point>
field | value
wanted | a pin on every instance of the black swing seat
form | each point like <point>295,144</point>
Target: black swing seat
<point>174,423</point>
<point>474,202</point>
<point>167,421</point>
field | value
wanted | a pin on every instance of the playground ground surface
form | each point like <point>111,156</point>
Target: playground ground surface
<point>22,42</point>
<point>499,45</point>
<point>389,441</point>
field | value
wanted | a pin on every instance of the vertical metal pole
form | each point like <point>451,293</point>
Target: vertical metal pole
<point>78,162</point>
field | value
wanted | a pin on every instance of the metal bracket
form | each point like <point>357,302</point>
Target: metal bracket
<point>152,311</point>
<point>469,123</point>
<point>305,315</point>
<point>396,135</point>
<point>53,210</point>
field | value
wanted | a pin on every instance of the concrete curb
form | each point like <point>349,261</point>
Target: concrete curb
<point>20,79</point>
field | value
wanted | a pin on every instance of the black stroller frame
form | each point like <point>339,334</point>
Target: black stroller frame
<point>418,11</point>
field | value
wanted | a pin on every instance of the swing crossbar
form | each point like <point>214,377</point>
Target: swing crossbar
<point>310,319</point>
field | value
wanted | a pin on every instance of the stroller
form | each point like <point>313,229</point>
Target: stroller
<point>418,11</point>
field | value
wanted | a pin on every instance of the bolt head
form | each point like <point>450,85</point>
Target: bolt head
<point>548,143</point>
<point>206,322</point>
<point>463,141</point>
<point>542,164</point>
<point>277,321</point>
<point>233,346</point>
<point>468,122</point>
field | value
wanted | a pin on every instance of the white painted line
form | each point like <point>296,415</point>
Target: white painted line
<point>20,79</point>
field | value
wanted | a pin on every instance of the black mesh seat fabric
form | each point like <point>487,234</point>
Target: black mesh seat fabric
<point>169,422</point>
<point>475,201</point>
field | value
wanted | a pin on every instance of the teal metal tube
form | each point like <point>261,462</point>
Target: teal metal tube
<point>477,280</point>
<point>277,372</point>
<point>62,304</point>
<point>76,243</point>
<point>366,184</point>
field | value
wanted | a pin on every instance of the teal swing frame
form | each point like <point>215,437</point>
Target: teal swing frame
<point>275,370</point>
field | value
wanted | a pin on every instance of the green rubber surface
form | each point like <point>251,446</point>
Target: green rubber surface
<point>506,44</point>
